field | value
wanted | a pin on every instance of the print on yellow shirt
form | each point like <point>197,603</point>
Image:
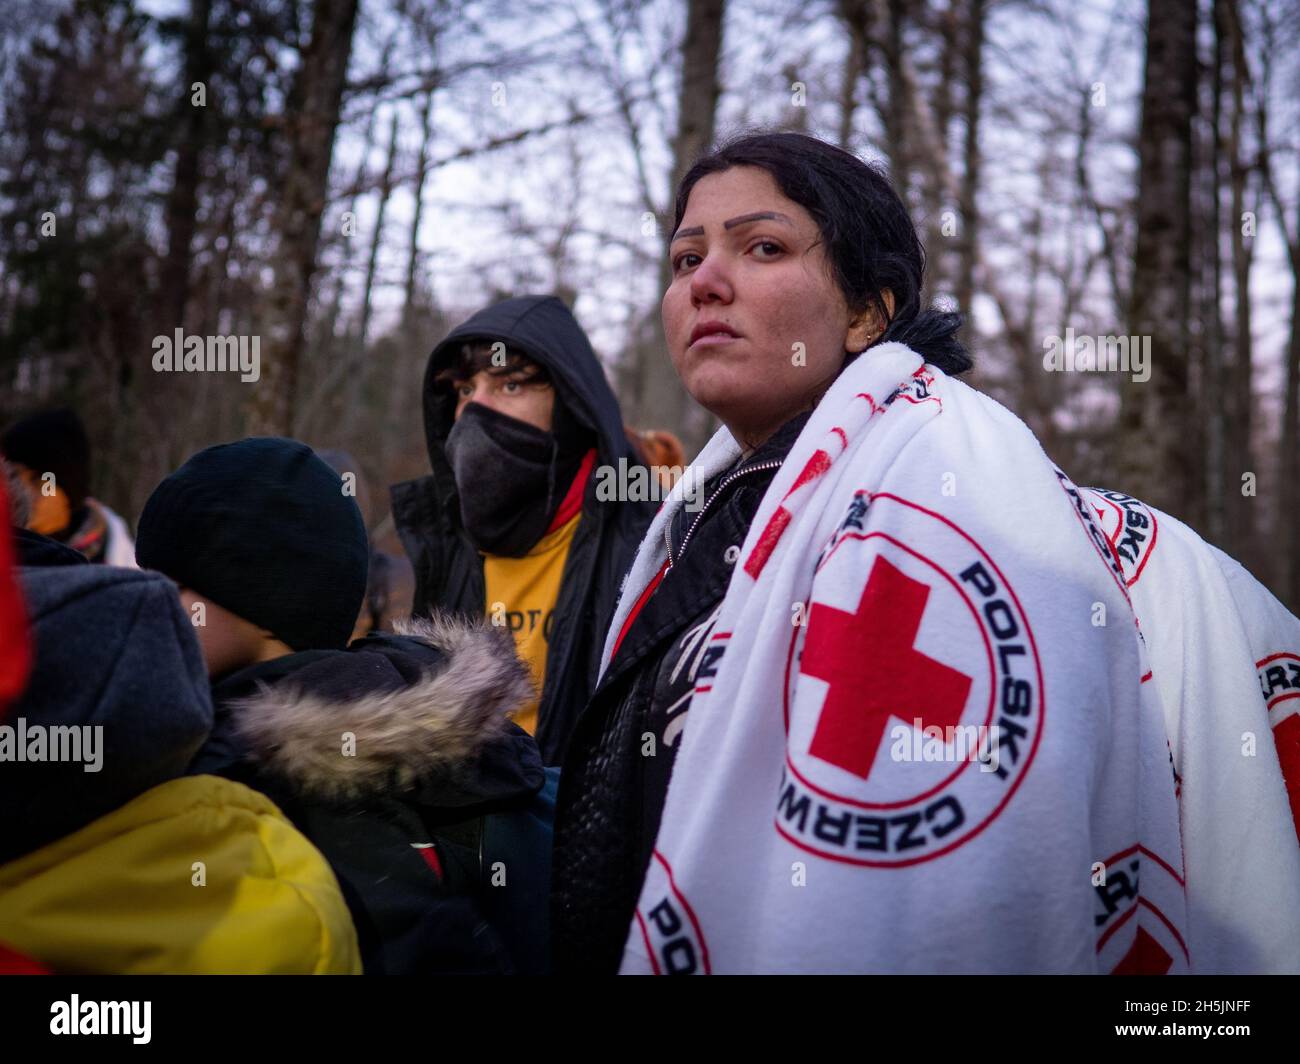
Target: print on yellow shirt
<point>521,594</point>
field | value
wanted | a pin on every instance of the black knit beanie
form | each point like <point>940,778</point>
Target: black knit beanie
<point>263,528</point>
<point>52,441</point>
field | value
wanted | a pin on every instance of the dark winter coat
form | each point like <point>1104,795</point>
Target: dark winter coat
<point>397,759</point>
<point>448,568</point>
<point>614,783</point>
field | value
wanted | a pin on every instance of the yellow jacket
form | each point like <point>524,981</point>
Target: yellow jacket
<point>197,875</point>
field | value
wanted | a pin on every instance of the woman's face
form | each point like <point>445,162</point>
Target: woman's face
<point>756,326</point>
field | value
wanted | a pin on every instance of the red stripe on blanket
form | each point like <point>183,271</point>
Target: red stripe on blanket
<point>649,946</point>
<point>767,542</point>
<point>817,465</point>
<point>780,520</point>
<point>1139,848</point>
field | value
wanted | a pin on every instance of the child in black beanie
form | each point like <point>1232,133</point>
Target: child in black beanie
<point>395,755</point>
<point>261,534</point>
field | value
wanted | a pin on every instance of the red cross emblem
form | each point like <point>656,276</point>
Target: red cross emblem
<point>875,672</point>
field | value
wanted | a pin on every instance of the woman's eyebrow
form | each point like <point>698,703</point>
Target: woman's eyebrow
<point>731,223</point>
<point>757,216</point>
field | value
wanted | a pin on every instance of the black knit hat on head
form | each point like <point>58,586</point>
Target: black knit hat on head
<point>263,528</point>
<point>52,441</point>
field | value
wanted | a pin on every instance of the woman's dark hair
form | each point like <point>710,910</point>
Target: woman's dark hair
<point>871,242</point>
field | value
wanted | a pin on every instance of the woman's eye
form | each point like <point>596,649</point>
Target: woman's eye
<point>680,263</point>
<point>512,387</point>
<point>768,248</point>
<point>465,390</point>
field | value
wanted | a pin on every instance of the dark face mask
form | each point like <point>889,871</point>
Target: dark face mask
<point>508,479</point>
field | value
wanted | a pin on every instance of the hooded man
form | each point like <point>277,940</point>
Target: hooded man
<point>518,416</point>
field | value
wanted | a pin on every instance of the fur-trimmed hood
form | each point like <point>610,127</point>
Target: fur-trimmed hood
<point>424,713</point>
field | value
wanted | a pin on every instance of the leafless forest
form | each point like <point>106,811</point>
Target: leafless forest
<point>346,179</point>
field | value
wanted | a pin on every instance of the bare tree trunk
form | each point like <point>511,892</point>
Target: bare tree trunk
<point>313,118</point>
<point>1035,402</point>
<point>421,173</point>
<point>1286,526</point>
<point>358,366</point>
<point>938,267</point>
<point>1159,437</point>
<point>701,52</point>
<point>856,15</point>
<point>1238,397</point>
<point>949,34</point>
<point>662,402</point>
<point>182,203</point>
<point>358,181</point>
<point>1214,379</point>
<point>901,88</point>
<point>219,269</point>
<point>1284,544</point>
<point>372,262</point>
<point>414,342</point>
<point>970,180</point>
<point>1289,464</point>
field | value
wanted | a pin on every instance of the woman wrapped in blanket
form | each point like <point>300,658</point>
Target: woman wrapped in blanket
<point>874,698</point>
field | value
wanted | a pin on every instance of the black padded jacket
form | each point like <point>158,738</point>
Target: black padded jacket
<point>620,759</point>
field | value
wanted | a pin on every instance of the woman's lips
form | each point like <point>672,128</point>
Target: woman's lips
<point>711,327</point>
<point>717,339</point>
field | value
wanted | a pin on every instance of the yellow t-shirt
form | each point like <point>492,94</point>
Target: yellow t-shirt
<point>521,594</point>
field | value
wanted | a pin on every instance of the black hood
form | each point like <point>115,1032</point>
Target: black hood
<point>449,569</point>
<point>545,330</point>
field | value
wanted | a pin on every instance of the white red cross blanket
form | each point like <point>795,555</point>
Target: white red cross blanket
<point>924,736</point>
<point>1225,656</point>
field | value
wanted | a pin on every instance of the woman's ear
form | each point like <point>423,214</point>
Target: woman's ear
<point>866,328</point>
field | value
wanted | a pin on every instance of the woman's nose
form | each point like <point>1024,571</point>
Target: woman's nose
<point>710,282</point>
